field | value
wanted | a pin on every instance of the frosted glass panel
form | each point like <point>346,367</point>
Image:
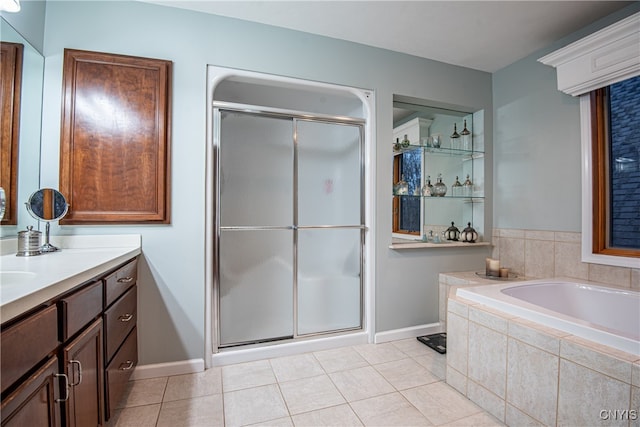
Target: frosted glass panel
<point>328,280</point>
<point>328,174</point>
<point>256,285</point>
<point>256,170</point>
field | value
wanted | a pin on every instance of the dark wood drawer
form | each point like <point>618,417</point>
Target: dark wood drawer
<point>119,281</point>
<point>80,308</point>
<point>119,320</point>
<point>26,343</point>
<point>119,370</point>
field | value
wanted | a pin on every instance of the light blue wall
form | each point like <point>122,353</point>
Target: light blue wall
<point>537,167</point>
<point>29,22</point>
<point>171,286</point>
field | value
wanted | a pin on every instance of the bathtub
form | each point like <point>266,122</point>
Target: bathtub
<point>606,315</point>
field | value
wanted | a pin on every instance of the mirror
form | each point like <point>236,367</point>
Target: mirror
<point>28,174</point>
<point>47,205</point>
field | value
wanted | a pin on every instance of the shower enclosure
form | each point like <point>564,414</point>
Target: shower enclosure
<point>289,223</point>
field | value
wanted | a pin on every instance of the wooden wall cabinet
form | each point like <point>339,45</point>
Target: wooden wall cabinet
<point>114,152</point>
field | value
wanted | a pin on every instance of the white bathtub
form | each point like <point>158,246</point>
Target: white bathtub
<point>610,316</point>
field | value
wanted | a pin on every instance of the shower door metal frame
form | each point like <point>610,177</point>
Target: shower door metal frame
<point>296,116</point>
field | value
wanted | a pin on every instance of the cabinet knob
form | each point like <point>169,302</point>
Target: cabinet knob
<point>126,317</point>
<point>125,280</point>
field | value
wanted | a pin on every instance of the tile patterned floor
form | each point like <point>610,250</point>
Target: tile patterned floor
<point>400,383</point>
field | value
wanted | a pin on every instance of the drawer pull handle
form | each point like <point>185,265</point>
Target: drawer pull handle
<point>76,362</point>
<point>126,317</point>
<point>125,280</point>
<point>66,387</point>
<point>126,366</point>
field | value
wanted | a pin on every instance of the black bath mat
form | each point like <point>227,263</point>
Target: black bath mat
<point>438,342</point>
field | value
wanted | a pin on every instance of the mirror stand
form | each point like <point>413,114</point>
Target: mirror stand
<point>47,246</point>
<point>47,205</point>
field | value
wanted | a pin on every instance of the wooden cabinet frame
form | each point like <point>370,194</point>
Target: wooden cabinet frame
<point>11,81</point>
<point>115,138</point>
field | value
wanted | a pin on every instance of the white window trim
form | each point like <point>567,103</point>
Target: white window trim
<point>598,60</point>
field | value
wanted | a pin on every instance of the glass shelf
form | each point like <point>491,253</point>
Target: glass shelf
<point>472,199</point>
<point>448,152</point>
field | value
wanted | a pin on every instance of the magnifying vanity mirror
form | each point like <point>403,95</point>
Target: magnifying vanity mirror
<point>47,205</point>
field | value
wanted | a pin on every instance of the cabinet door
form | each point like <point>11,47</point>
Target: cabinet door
<point>34,403</point>
<point>114,150</point>
<point>82,359</point>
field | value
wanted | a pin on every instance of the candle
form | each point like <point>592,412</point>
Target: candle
<point>492,267</point>
<point>504,272</point>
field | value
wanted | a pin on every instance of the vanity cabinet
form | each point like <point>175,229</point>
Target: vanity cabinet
<point>418,213</point>
<point>67,362</point>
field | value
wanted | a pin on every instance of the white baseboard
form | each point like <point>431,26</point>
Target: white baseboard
<point>411,332</point>
<point>156,370</point>
<point>241,355</point>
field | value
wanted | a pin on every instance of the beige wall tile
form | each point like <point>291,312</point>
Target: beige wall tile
<point>512,233</point>
<point>534,334</point>
<point>539,235</point>
<point>619,276</point>
<point>457,380</point>
<point>486,400</point>
<point>532,381</point>
<point>568,236</point>
<point>458,307</point>
<point>457,342</point>
<point>512,254</point>
<point>539,258</point>
<point>487,358</point>
<point>492,319</point>
<point>515,417</point>
<point>635,373</point>
<point>568,261</point>
<point>613,363</point>
<point>635,405</point>
<point>635,279</point>
<point>584,393</point>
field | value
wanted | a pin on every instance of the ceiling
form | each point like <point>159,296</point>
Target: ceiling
<point>483,35</point>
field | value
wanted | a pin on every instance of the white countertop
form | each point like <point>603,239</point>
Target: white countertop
<point>41,278</point>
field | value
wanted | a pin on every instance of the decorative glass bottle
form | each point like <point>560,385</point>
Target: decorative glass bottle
<point>427,189</point>
<point>456,188</point>
<point>405,142</point>
<point>397,146</point>
<point>401,188</point>
<point>440,188</point>
<point>465,135</point>
<point>455,138</point>
<point>467,188</point>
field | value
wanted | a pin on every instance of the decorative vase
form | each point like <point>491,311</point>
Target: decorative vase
<point>469,235</point>
<point>440,188</point>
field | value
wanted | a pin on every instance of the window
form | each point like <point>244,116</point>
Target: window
<point>407,210</point>
<point>615,113</point>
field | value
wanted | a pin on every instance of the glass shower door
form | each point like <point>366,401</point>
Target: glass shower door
<point>256,232</point>
<point>330,227</point>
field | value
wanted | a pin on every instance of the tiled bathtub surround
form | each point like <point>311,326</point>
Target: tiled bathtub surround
<point>527,374</point>
<point>542,254</point>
